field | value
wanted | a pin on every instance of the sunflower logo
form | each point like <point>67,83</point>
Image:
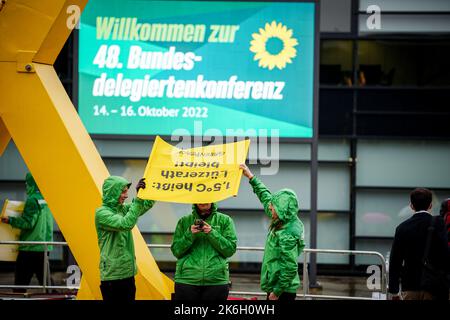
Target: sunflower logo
<point>273,46</point>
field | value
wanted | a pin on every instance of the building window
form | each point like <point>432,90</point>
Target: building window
<point>403,63</point>
<point>407,5</point>
<point>336,67</point>
<point>404,17</point>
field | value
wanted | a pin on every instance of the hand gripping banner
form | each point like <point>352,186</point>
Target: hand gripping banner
<point>196,175</point>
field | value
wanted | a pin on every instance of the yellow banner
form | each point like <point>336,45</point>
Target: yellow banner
<point>7,233</point>
<point>197,175</point>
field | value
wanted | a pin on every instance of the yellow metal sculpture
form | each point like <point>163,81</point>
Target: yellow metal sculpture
<point>38,115</point>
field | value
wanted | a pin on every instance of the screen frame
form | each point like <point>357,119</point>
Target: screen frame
<point>315,109</point>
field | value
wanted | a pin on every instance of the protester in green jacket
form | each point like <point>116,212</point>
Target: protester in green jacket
<point>202,243</point>
<point>114,221</point>
<point>36,224</point>
<point>285,241</point>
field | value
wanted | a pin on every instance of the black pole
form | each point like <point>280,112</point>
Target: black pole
<point>353,139</point>
<point>314,154</point>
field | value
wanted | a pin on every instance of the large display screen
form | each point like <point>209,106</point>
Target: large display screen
<point>222,67</point>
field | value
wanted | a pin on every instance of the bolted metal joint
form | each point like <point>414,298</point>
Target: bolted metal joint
<point>25,67</point>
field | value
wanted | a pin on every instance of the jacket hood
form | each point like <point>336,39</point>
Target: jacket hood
<point>31,186</point>
<point>112,188</point>
<point>213,209</point>
<point>286,204</point>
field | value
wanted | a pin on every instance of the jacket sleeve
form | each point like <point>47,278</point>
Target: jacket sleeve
<point>224,242</point>
<point>29,216</point>
<point>395,264</point>
<point>183,239</point>
<point>146,205</point>
<point>109,220</point>
<point>288,263</point>
<point>263,194</point>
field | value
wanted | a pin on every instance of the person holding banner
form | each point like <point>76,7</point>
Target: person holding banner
<point>284,243</point>
<point>36,224</point>
<point>203,241</point>
<point>114,221</point>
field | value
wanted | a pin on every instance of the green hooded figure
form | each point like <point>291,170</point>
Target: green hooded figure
<point>36,224</point>
<point>36,221</point>
<point>203,258</point>
<point>202,243</point>
<point>284,243</point>
<point>114,221</point>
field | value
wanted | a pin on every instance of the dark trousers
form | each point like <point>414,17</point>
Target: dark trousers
<point>285,296</point>
<point>118,290</point>
<point>28,264</point>
<point>187,292</point>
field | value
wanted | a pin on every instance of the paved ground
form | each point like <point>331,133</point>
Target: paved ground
<point>331,285</point>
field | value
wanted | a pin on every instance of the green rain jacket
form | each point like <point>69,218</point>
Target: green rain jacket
<point>203,258</point>
<point>114,223</point>
<point>283,247</point>
<point>36,221</point>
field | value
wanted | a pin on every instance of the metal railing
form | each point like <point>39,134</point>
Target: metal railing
<point>46,266</point>
<point>306,252</point>
<point>346,252</point>
<point>304,295</point>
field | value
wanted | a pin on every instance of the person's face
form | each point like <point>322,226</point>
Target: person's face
<point>123,195</point>
<point>274,213</point>
<point>203,207</point>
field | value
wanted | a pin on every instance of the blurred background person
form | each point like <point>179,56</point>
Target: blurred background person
<point>36,224</point>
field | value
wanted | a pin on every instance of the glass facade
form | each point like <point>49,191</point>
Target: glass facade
<point>335,16</point>
<point>407,5</point>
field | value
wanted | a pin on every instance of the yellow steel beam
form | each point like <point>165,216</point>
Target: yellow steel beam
<point>4,137</point>
<point>39,116</point>
<point>25,25</point>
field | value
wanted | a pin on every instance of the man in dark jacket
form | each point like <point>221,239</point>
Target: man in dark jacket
<point>114,221</point>
<point>408,250</point>
<point>36,224</point>
<point>203,241</point>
